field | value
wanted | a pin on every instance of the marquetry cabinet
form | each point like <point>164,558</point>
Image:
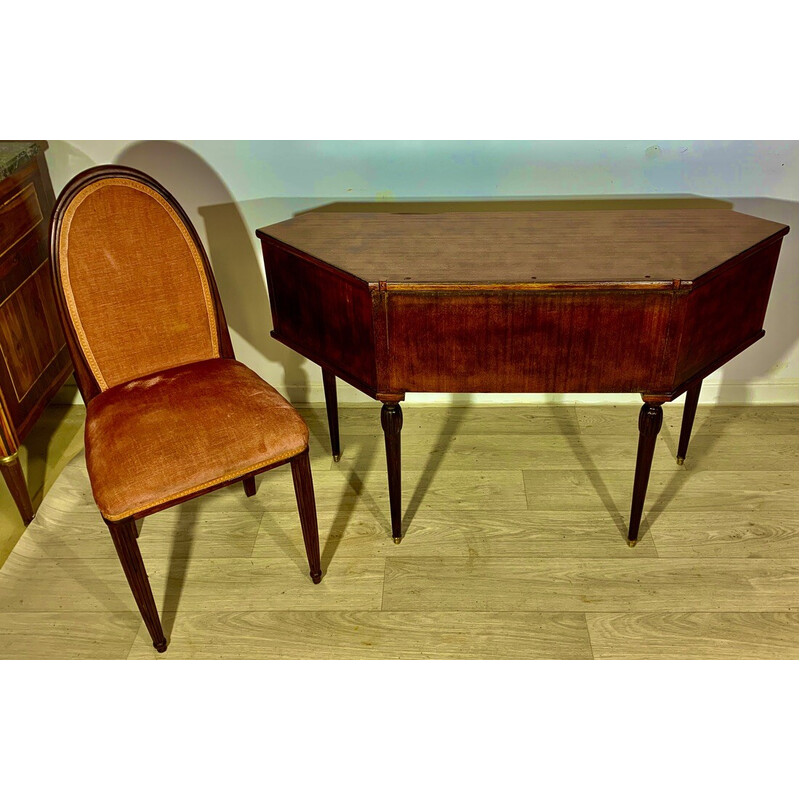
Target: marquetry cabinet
<point>34,361</point>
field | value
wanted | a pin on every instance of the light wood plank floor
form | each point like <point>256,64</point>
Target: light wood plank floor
<point>53,442</point>
<point>515,548</point>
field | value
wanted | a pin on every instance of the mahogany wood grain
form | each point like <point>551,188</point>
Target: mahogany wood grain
<point>19,263</point>
<point>621,300</point>
<point>19,215</point>
<point>725,309</point>
<point>516,341</point>
<point>34,361</point>
<point>322,313</point>
<point>30,336</point>
<point>619,246</point>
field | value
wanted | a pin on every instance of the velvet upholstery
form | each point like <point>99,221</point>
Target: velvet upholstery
<point>168,435</point>
<point>134,282</point>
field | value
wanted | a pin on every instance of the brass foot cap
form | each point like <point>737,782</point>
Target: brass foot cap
<point>679,460</point>
<point>397,539</point>
<point>632,542</point>
<point>337,458</point>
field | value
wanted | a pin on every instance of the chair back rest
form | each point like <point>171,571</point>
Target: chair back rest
<point>134,287</point>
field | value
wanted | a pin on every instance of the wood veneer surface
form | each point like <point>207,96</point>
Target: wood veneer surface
<point>624,246</point>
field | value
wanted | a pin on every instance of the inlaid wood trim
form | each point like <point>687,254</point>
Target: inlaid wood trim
<point>682,287</point>
<point>9,442</point>
<point>21,398</point>
<point>22,283</point>
<point>11,372</point>
<point>28,186</point>
<point>230,477</point>
<point>87,383</point>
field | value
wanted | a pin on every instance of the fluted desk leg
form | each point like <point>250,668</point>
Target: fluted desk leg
<point>650,418</point>
<point>392,423</point>
<point>332,407</point>
<point>689,409</point>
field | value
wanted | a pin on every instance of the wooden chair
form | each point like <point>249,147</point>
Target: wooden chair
<point>170,413</point>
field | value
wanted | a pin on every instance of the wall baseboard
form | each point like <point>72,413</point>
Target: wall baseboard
<point>771,393</point>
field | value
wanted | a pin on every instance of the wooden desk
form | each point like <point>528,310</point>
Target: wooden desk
<point>538,301</point>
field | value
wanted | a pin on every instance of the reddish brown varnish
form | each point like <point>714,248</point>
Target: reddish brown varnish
<point>34,361</point>
<point>646,301</point>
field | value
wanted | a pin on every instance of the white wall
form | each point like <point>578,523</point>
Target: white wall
<point>231,188</point>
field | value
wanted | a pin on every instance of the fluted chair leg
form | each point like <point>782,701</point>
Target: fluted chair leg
<point>123,534</point>
<point>307,508</point>
<point>249,485</point>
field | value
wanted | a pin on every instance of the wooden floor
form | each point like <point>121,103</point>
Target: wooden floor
<point>515,522</point>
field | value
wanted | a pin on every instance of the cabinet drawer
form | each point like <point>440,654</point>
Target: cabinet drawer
<point>20,213</point>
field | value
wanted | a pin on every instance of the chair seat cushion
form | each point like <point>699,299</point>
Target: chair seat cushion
<point>153,440</point>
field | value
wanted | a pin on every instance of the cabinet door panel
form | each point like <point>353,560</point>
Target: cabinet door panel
<point>30,337</point>
<point>20,213</point>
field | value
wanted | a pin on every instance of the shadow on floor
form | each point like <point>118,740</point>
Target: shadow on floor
<point>590,468</point>
<point>449,429</point>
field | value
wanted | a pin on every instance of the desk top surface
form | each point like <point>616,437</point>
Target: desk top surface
<point>615,246</point>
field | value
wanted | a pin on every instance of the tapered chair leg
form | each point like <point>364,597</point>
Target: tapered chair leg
<point>332,407</point>
<point>123,534</point>
<point>15,480</point>
<point>689,409</point>
<point>249,485</point>
<point>650,418</point>
<point>392,423</point>
<point>307,508</point>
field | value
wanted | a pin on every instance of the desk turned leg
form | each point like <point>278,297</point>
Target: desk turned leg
<point>649,425</point>
<point>392,423</point>
<point>12,472</point>
<point>332,407</point>
<point>689,409</point>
